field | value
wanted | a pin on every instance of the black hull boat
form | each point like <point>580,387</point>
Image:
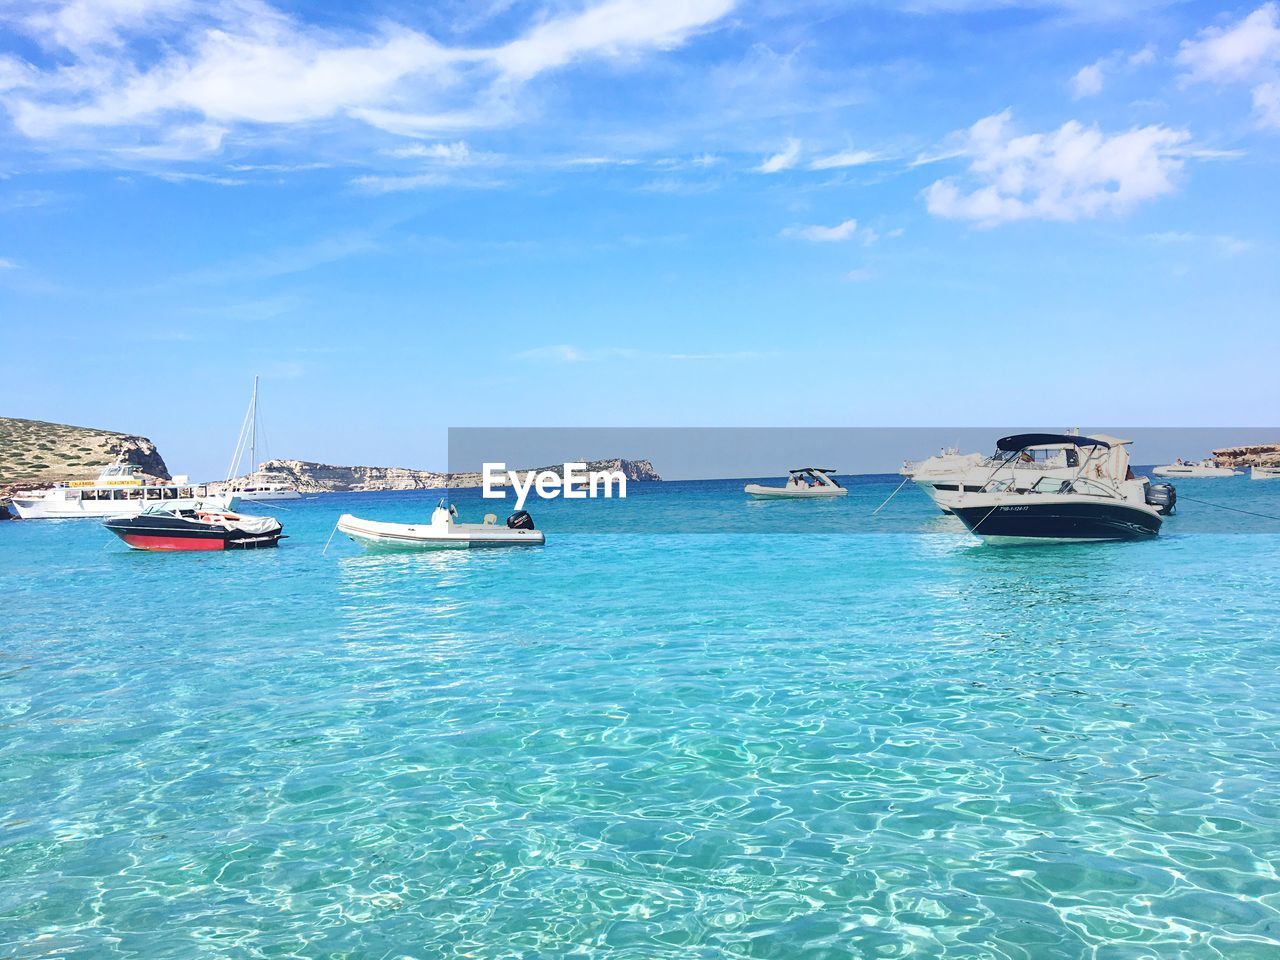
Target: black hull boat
<point>194,530</point>
<point>1090,506</point>
<point>1082,518</point>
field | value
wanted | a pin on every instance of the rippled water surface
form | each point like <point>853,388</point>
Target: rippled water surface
<point>626,745</point>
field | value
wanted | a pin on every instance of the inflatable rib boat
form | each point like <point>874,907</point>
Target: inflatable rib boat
<point>803,482</point>
<point>443,532</point>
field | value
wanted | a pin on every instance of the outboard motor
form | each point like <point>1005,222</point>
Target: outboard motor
<point>1163,497</point>
<point>520,520</point>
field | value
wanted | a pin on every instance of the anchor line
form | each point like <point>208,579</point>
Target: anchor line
<point>890,497</point>
<point>1221,506</point>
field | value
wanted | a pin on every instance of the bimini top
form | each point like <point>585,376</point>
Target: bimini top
<point>811,470</point>
<point>1020,441</point>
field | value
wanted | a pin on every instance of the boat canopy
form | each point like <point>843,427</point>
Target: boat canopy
<point>1020,441</point>
<point>811,470</point>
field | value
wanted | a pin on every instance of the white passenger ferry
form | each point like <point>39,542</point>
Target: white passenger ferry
<point>121,490</point>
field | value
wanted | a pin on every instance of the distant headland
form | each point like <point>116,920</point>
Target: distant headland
<point>35,453</point>
<point>1249,455</point>
<point>308,477</point>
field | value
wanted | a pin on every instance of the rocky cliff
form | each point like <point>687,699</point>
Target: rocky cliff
<point>308,477</point>
<point>1252,455</point>
<point>34,453</point>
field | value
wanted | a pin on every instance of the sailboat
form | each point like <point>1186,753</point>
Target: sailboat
<point>255,485</point>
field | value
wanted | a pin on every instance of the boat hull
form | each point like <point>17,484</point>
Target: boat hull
<point>169,534</point>
<point>52,508</point>
<point>267,496</point>
<point>1175,470</point>
<point>1264,473</point>
<point>377,535</point>
<point>1058,521</point>
<point>782,493</point>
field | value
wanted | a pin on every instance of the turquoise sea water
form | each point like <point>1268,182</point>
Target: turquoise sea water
<point>804,735</point>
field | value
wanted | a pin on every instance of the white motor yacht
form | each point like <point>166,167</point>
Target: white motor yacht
<point>1089,505</point>
<point>1194,468</point>
<point>443,532</point>
<point>948,478</point>
<point>121,490</point>
<point>1264,473</point>
<point>802,483</point>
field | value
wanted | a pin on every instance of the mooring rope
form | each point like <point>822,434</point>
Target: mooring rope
<point>330,540</point>
<point>890,497</point>
<point>1221,506</point>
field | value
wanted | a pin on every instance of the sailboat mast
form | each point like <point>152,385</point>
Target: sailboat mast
<point>253,439</point>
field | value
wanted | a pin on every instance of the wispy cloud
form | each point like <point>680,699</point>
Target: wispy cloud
<point>820,234</point>
<point>602,162</point>
<point>6,264</point>
<point>784,160</point>
<point>679,187</point>
<point>1224,243</point>
<point>845,158</point>
<point>567,353</point>
<point>172,79</point>
<point>454,154</point>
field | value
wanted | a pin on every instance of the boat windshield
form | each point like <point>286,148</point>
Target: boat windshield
<point>1079,486</point>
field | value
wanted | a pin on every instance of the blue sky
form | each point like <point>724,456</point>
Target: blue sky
<point>408,217</point>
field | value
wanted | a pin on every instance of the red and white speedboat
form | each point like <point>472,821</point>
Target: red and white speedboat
<point>175,528</point>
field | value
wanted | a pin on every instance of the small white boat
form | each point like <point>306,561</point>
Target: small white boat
<point>804,482</point>
<point>1264,473</point>
<point>266,491</point>
<point>443,532</point>
<point>1196,468</point>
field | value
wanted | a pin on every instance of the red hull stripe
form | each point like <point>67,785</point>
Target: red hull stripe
<point>143,542</point>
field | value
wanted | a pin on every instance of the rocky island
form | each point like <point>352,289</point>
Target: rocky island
<point>1251,455</point>
<point>308,477</point>
<point>34,453</point>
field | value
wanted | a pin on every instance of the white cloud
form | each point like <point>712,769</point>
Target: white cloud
<point>1227,54</point>
<point>1144,57</point>
<point>615,28</point>
<point>1266,103</point>
<point>79,24</point>
<point>1075,172</point>
<point>782,161</point>
<point>845,158</point>
<point>1088,81</point>
<point>6,264</point>
<point>126,72</point>
<point>1248,52</point>
<point>820,234</point>
<point>860,275</point>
